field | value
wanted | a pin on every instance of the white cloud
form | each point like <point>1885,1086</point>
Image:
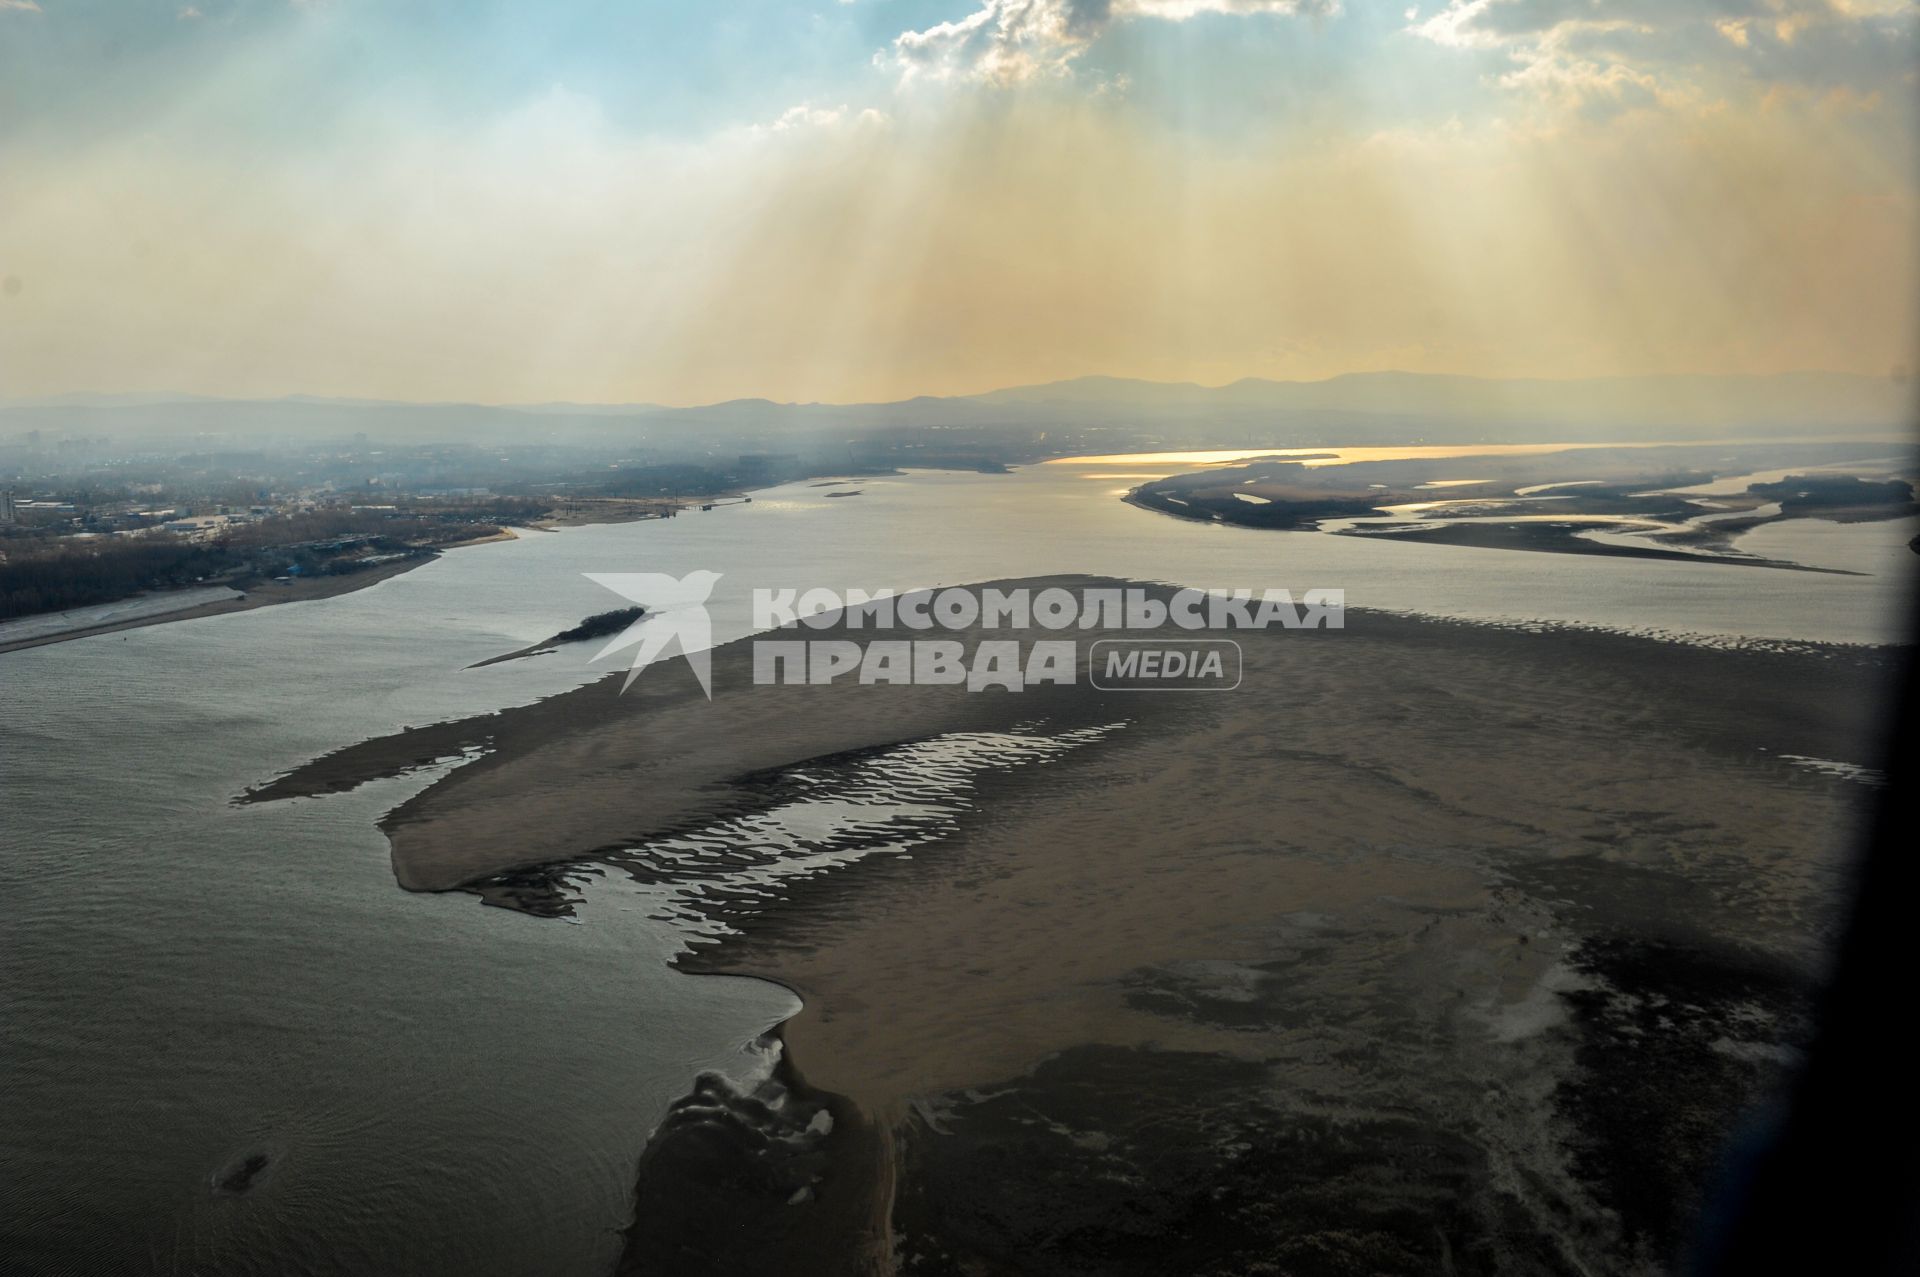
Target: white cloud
<point>1008,41</point>
<point>1585,56</point>
<point>803,116</point>
<point>808,116</point>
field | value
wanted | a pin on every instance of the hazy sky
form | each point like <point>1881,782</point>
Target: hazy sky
<point>867,199</point>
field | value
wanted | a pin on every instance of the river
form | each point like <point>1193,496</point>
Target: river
<point>442,1087</point>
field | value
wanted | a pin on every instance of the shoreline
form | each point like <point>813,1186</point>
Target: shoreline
<point>256,595</point>
<point>260,594</point>
<point>1107,996</point>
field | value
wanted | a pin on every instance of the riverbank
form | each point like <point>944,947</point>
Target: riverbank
<point>247,595</point>
<point>1433,946</point>
<point>256,594</point>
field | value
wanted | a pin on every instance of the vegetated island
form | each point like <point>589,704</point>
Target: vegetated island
<point>1553,502</point>
<point>599,625</point>
<point>1433,947</point>
<point>1843,498</point>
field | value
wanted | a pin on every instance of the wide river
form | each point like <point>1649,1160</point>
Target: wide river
<point>447,1088</point>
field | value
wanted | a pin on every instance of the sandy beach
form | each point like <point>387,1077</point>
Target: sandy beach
<point>1519,927</point>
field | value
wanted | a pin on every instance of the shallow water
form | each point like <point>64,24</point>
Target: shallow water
<point>445,1088</point>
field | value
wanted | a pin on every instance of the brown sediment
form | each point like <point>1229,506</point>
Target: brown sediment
<point>1406,895</point>
<point>1432,947</point>
<point>598,767</point>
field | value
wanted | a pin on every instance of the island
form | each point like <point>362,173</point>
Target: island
<point>1520,924</point>
<point>1643,503</point>
<point>599,625</point>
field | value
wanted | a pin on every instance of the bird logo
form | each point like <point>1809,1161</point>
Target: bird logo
<point>676,610</point>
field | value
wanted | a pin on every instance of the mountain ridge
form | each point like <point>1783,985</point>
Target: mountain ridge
<point>1372,404</point>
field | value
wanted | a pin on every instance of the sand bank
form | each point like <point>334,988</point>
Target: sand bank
<point>1433,947</point>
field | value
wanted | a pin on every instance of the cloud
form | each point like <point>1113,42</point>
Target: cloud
<point>553,255</point>
<point>808,116</point>
<point>1009,41</point>
<point>19,6</point>
<point>1603,58</point>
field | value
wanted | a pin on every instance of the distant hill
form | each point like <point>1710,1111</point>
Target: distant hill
<point>1813,399</point>
<point>1379,407</point>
